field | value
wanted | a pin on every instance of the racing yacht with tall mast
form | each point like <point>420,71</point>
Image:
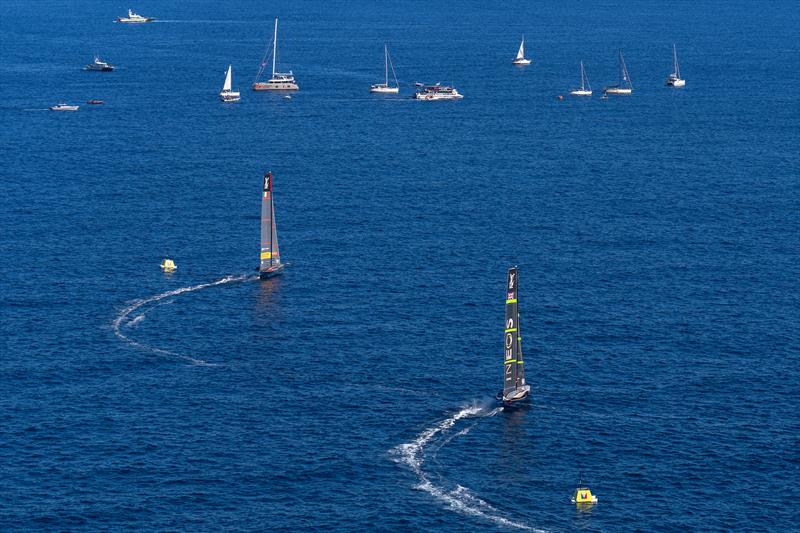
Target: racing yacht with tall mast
<point>270,256</point>
<point>514,387</point>
<point>280,81</point>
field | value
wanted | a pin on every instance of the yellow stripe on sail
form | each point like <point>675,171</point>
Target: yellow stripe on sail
<point>266,255</point>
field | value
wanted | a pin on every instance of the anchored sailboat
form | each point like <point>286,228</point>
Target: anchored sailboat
<point>514,387</point>
<point>227,94</point>
<point>675,79</point>
<point>586,89</point>
<point>384,87</point>
<point>624,85</point>
<point>520,59</point>
<point>270,256</point>
<point>279,81</point>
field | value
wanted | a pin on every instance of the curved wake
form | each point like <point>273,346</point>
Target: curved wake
<point>124,318</point>
<point>459,499</point>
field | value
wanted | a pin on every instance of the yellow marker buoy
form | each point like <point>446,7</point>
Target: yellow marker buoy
<point>168,265</point>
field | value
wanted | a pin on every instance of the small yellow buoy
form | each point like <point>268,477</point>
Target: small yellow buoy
<point>168,265</point>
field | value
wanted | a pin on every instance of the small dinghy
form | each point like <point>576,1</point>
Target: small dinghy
<point>168,265</point>
<point>583,496</point>
<point>270,256</point>
<point>514,387</point>
<point>95,102</point>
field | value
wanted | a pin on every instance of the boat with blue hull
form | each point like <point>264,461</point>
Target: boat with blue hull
<point>515,391</point>
<point>270,255</point>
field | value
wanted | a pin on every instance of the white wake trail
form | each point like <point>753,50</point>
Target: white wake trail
<point>459,499</point>
<point>124,317</point>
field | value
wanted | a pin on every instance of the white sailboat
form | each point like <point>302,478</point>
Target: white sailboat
<point>280,81</point>
<point>226,93</point>
<point>520,59</point>
<point>586,89</point>
<point>675,79</point>
<point>624,86</point>
<point>385,87</point>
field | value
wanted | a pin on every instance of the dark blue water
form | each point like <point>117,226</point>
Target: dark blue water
<point>656,235</point>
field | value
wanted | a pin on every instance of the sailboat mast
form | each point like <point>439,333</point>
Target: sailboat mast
<point>511,334</point>
<point>675,67</point>
<point>274,47</point>
<point>386,63</point>
<point>583,77</point>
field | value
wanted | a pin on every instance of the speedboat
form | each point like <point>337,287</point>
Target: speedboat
<point>437,92</point>
<point>63,107</point>
<point>99,65</point>
<point>133,18</point>
<point>95,102</point>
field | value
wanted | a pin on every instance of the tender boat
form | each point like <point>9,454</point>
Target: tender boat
<point>514,387</point>
<point>168,265</point>
<point>95,102</point>
<point>437,92</point>
<point>270,256</point>
<point>280,81</point>
<point>624,85</point>
<point>520,59</point>
<point>674,79</point>
<point>64,107</point>
<point>582,495</point>
<point>585,89</point>
<point>385,87</point>
<point>227,94</point>
<point>133,18</point>
<point>98,65</point>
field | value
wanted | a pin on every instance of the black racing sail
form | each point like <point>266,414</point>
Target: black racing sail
<point>514,387</point>
<point>270,256</point>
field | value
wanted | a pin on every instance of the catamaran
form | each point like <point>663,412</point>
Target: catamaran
<point>133,18</point>
<point>384,87</point>
<point>438,92</point>
<point>280,81</point>
<point>624,85</point>
<point>520,59</point>
<point>514,387</point>
<point>270,256</point>
<point>586,89</point>
<point>226,93</point>
<point>675,79</point>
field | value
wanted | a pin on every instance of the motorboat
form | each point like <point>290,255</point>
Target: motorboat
<point>437,92</point>
<point>280,81</point>
<point>64,107</point>
<point>99,65</point>
<point>95,102</point>
<point>674,79</point>
<point>582,495</point>
<point>133,18</point>
<point>168,265</point>
<point>226,93</point>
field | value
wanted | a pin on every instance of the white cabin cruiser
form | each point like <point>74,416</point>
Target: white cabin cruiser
<point>63,107</point>
<point>133,18</point>
<point>437,92</point>
<point>98,65</point>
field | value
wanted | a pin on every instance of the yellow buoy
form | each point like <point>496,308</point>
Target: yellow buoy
<point>168,265</point>
<point>583,495</point>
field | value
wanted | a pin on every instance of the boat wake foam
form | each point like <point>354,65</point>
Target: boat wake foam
<point>125,319</point>
<point>460,499</point>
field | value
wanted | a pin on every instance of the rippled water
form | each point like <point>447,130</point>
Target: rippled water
<point>656,235</point>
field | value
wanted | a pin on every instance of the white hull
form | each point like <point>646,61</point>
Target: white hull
<point>229,96</point>
<point>521,62</point>
<point>134,21</point>
<point>63,107</point>
<point>581,93</point>
<point>618,90</point>
<point>383,89</point>
<point>676,82</point>
<point>423,96</point>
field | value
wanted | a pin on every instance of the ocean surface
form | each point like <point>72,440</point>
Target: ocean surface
<point>657,238</point>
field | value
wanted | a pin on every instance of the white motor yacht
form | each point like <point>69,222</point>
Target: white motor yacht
<point>98,65</point>
<point>63,107</point>
<point>438,92</point>
<point>133,18</point>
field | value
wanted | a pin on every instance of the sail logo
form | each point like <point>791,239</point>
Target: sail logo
<point>511,279</point>
<point>267,181</point>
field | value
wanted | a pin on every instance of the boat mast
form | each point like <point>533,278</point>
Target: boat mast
<point>267,223</point>
<point>274,47</point>
<point>511,365</point>
<point>386,64</point>
<point>675,67</point>
<point>583,77</point>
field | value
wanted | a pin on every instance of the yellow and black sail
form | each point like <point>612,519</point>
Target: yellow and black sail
<point>270,255</point>
<point>514,386</point>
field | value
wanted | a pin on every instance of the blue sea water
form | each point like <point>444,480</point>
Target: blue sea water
<point>656,235</point>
